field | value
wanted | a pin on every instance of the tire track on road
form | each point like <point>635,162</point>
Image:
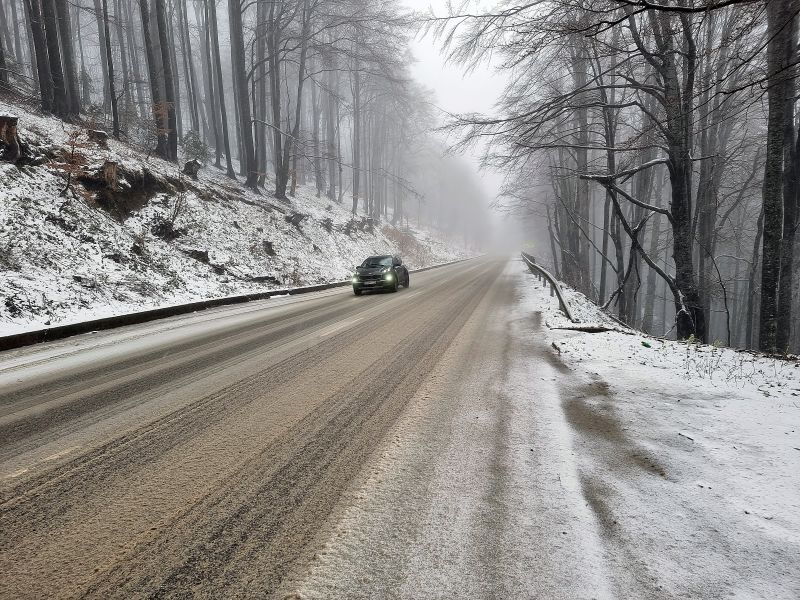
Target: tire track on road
<point>243,539</point>
<point>50,501</point>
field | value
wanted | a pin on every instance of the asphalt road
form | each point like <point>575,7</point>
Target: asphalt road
<point>212,455</point>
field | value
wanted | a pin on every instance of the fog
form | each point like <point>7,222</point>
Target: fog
<point>458,89</point>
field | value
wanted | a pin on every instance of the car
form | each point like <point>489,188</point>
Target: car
<point>380,273</point>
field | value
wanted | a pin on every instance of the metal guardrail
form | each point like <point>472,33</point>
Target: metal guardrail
<point>544,274</point>
<point>58,332</point>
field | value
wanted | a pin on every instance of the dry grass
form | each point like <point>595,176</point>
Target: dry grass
<point>410,249</point>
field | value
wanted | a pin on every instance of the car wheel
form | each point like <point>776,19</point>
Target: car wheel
<point>395,286</point>
<point>408,281</point>
<point>356,291</point>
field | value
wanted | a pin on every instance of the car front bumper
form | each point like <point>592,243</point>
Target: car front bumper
<point>373,284</point>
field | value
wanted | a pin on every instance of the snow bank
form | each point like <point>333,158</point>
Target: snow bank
<point>586,312</point>
<point>689,456</point>
<point>164,239</point>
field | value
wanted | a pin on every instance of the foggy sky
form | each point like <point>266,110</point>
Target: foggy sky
<point>455,91</point>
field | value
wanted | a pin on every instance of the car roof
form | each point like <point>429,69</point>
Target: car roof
<point>380,256</point>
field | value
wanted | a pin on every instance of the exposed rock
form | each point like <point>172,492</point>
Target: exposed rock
<point>266,279</point>
<point>88,282</point>
<point>197,254</point>
<point>296,219</point>
<point>117,257</point>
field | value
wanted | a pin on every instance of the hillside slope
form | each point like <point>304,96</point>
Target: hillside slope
<point>161,238</point>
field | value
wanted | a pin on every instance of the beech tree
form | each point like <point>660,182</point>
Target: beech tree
<point>312,93</point>
<point>628,96</point>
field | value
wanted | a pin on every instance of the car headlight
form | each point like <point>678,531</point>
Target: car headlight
<point>354,279</point>
<point>389,276</point>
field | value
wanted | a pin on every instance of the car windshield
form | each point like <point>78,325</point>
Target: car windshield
<point>378,261</point>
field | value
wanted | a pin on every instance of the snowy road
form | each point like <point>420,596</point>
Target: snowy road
<point>424,444</point>
<point>203,454</point>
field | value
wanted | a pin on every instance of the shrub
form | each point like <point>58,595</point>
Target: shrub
<point>195,148</point>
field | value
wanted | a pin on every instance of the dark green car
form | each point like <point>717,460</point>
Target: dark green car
<point>380,273</point>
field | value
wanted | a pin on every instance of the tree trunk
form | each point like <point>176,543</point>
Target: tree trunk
<point>210,97</point>
<point>32,50</point>
<point>580,76</point>
<point>188,65</point>
<point>133,55</point>
<point>316,113</point>
<point>331,126</point>
<point>168,81</point>
<point>112,90</point>
<point>248,160</point>
<point>68,55</point>
<point>5,33</point>
<point>689,314</point>
<point>60,98</point>
<point>751,284</point>
<point>3,67</point>
<point>32,7</point>
<point>791,219</point>
<point>356,135</point>
<point>274,46</point>
<point>123,60</point>
<point>650,284</point>
<point>18,48</point>
<point>101,32</point>
<point>301,77</point>
<point>260,109</point>
<point>211,18</point>
<point>779,91</point>
<point>159,113</point>
<point>176,78</point>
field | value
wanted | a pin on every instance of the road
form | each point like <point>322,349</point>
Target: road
<point>433,443</point>
<point>217,454</point>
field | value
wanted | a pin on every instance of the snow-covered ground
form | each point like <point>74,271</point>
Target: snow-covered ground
<point>163,239</point>
<point>689,455</point>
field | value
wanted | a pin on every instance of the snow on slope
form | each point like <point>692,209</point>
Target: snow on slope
<point>94,253</point>
<point>689,453</point>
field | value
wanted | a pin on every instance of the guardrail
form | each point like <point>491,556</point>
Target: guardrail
<point>58,332</point>
<point>544,274</point>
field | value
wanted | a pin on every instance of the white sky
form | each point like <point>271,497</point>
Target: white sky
<point>455,91</point>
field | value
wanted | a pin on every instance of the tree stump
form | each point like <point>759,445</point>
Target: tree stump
<point>9,138</point>
<point>110,174</point>
<point>192,168</point>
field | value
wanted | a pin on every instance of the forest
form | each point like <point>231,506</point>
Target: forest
<point>651,147</point>
<point>275,93</point>
<point>656,142</point>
